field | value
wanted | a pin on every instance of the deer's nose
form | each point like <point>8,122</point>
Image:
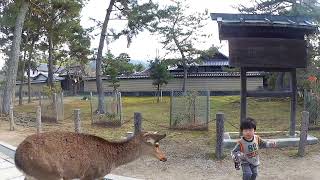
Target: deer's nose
<point>163,159</point>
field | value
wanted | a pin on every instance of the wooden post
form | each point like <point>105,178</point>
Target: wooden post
<point>1,99</point>
<point>11,119</point>
<point>305,99</point>
<point>137,122</point>
<point>62,106</point>
<point>120,107</point>
<point>113,103</point>
<point>243,93</point>
<point>91,110</point>
<point>303,133</point>
<point>129,134</point>
<point>293,103</point>
<point>55,106</point>
<point>13,97</point>
<point>160,95</point>
<point>316,121</point>
<point>39,119</point>
<point>1,105</point>
<point>208,108</point>
<point>39,98</point>
<point>77,121</point>
<point>54,98</point>
<point>171,104</point>
<point>219,135</point>
<point>194,108</point>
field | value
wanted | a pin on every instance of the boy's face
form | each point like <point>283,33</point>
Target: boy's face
<point>248,133</point>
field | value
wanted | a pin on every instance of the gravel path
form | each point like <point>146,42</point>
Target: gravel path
<point>191,160</point>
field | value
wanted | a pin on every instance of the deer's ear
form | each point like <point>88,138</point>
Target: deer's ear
<point>149,139</point>
<point>153,138</point>
<point>159,137</point>
<point>146,134</point>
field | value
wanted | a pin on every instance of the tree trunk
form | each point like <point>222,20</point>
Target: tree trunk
<point>74,88</point>
<point>23,61</point>
<point>50,61</point>
<point>158,100</point>
<point>101,105</point>
<point>29,81</point>
<point>29,69</point>
<point>185,75</point>
<point>185,69</point>
<point>10,83</point>
<point>280,81</point>
<point>114,87</point>
<point>21,82</point>
<point>22,77</point>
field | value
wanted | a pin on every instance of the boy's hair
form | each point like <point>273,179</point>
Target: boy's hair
<point>249,123</point>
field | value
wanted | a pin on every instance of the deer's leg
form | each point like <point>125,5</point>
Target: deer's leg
<point>53,178</point>
<point>92,177</point>
<point>87,178</point>
<point>95,173</point>
<point>29,178</point>
<point>47,178</point>
<point>88,175</point>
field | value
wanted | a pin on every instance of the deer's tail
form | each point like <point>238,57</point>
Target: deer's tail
<point>20,156</point>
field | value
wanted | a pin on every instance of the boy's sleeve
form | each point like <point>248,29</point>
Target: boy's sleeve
<point>262,143</point>
<point>236,149</point>
<point>236,152</point>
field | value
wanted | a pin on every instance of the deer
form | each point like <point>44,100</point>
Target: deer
<point>68,155</point>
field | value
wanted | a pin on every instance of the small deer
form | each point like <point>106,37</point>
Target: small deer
<point>67,155</point>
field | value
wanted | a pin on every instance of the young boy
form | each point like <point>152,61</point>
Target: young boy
<point>246,150</point>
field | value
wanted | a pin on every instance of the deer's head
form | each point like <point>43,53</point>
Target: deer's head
<point>151,145</point>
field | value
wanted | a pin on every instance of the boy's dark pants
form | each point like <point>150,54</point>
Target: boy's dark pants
<point>250,171</point>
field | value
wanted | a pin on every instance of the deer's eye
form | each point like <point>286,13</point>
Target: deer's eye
<point>156,145</point>
<point>151,141</point>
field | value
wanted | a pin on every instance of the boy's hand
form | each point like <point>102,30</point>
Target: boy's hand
<point>273,144</point>
<point>236,159</point>
<point>242,155</point>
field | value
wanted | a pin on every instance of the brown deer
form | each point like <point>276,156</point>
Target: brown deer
<point>66,155</point>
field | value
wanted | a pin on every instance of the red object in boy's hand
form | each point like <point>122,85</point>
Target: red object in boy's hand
<point>236,160</point>
<point>273,144</point>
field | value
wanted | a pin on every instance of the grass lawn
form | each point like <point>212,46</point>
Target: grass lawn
<point>269,114</point>
<point>190,152</point>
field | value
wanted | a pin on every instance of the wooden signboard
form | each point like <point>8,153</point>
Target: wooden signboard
<point>267,52</point>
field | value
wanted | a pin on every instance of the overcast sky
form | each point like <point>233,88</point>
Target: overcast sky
<point>145,45</point>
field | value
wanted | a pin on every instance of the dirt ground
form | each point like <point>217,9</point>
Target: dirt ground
<point>190,159</point>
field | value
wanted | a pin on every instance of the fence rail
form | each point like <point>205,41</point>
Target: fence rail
<point>113,113</point>
<point>312,105</point>
<point>190,110</point>
<point>52,108</point>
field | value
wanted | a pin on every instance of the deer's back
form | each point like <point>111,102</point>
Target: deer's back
<point>63,153</point>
